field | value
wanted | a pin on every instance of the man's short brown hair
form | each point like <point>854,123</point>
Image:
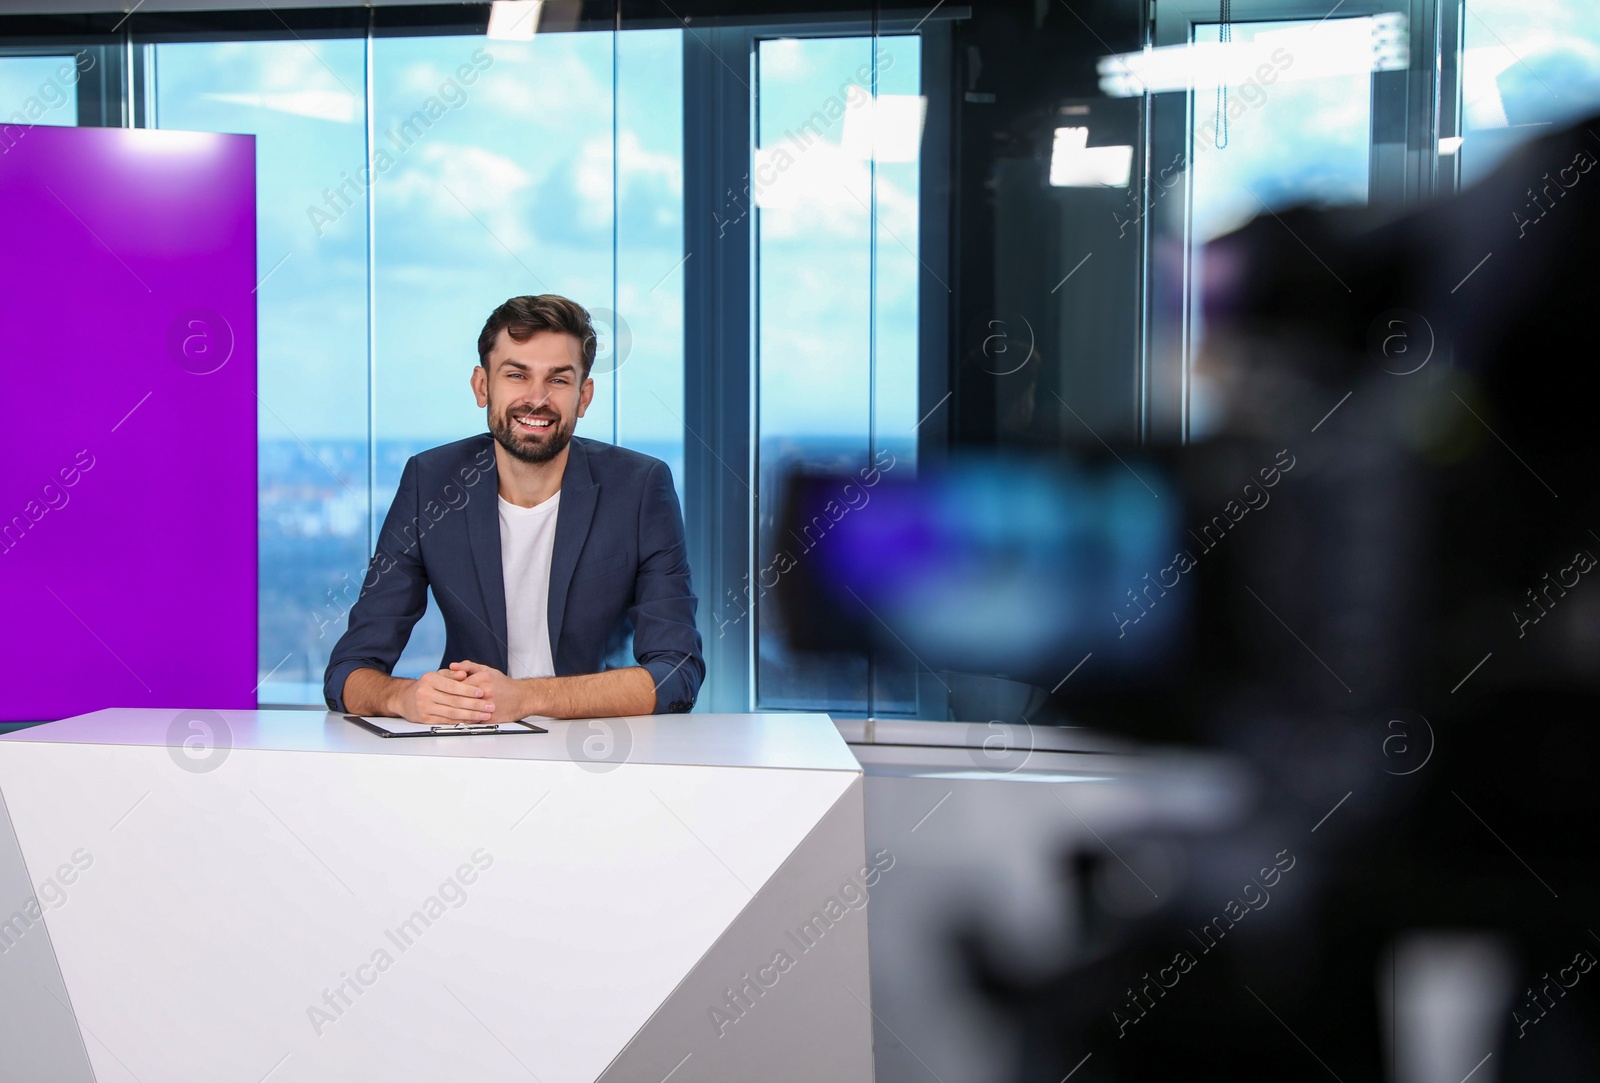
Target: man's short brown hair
<point>522,317</point>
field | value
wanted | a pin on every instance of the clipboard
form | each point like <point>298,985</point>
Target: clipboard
<point>465,729</point>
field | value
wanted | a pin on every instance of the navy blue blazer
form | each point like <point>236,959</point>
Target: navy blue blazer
<point>619,566</point>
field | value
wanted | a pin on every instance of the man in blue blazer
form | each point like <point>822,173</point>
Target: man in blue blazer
<point>544,552</point>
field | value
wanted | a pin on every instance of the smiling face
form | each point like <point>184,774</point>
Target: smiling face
<point>534,391</point>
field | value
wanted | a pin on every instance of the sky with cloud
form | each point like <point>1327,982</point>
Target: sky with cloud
<point>501,162</point>
<point>829,300</point>
<point>521,182</point>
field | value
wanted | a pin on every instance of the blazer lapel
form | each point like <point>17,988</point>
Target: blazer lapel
<point>578,495</point>
<point>483,537</point>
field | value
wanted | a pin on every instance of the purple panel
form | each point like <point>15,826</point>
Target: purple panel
<point>127,420</point>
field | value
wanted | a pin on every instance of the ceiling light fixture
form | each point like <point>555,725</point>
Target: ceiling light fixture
<point>1075,164</point>
<point>514,20</point>
<point>1329,48</point>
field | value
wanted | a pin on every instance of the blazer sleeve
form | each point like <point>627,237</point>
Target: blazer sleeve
<point>393,597</point>
<point>666,641</point>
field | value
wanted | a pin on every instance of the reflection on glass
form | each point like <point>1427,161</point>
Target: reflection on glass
<point>1272,142</point>
<point>1524,68</point>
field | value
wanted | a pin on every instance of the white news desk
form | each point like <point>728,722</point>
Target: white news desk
<point>292,898</point>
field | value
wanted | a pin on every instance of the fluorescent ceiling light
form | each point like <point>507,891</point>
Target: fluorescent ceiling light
<point>885,129</point>
<point>1329,48</point>
<point>1481,105</point>
<point>514,20</point>
<point>1075,164</point>
<point>1449,145</point>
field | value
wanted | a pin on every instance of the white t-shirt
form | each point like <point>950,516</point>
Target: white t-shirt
<point>527,540</point>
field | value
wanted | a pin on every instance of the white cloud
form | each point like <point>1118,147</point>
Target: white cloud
<point>423,79</point>
<point>553,81</point>
<point>592,177</point>
<point>635,166</point>
<point>491,185</point>
<point>785,59</point>
<point>295,66</point>
<point>637,163</point>
<point>820,188</point>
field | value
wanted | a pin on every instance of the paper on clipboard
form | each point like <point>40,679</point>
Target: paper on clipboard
<point>399,727</point>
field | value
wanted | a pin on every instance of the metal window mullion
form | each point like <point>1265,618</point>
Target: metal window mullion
<point>368,56</point>
<point>872,316</point>
<point>719,383</point>
<point>616,223</point>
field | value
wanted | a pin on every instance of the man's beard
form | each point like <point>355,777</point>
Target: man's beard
<point>512,438</point>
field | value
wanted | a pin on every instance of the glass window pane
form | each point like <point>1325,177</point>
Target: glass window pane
<point>898,272</point>
<point>650,255</point>
<point>835,181</point>
<point>38,90</point>
<point>304,102</point>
